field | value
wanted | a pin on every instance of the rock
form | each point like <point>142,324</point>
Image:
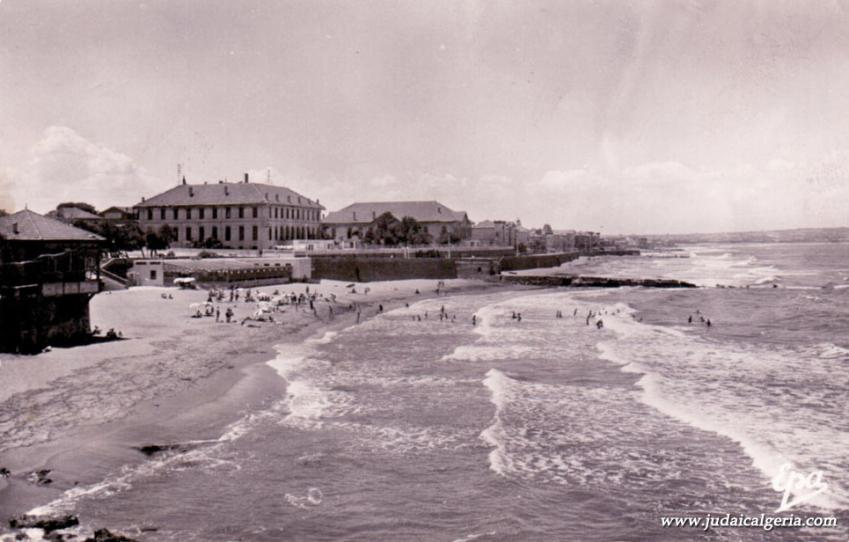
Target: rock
<point>40,477</point>
<point>105,535</point>
<point>45,523</point>
<point>4,472</point>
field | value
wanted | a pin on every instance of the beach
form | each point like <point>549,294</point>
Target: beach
<point>483,413</point>
<point>84,412</point>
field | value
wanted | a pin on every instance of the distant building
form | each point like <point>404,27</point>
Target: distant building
<point>353,221</point>
<point>119,214</point>
<point>72,213</point>
<point>496,233</point>
<point>48,272</point>
<point>237,215</point>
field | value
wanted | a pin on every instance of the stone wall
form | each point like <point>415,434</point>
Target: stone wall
<point>362,269</point>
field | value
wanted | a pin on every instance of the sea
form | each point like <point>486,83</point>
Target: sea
<point>536,423</point>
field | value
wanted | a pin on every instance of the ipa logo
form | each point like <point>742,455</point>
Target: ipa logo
<point>794,483</point>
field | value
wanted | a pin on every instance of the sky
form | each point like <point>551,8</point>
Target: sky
<point>613,116</point>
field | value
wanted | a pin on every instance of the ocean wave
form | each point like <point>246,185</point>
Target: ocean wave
<point>714,388</point>
<point>495,435</point>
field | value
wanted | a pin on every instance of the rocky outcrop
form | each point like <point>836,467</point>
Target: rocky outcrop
<point>593,282</point>
<point>45,523</point>
<point>104,535</point>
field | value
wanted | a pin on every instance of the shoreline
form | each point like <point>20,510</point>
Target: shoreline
<point>214,396</point>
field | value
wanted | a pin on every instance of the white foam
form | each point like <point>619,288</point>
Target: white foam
<point>495,435</point>
<point>694,382</point>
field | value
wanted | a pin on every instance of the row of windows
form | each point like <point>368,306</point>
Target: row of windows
<point>279,233</point>
<point>290,213</point>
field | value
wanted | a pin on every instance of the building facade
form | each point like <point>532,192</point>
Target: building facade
<point>442,223</point>
<point>231,215</point>
<point>48,272</point>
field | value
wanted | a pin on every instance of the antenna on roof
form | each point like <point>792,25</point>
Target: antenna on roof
<point>180,173</point>
<point>268,175</point>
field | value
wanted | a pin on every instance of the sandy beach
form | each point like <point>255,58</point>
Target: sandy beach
<point>81,413</point>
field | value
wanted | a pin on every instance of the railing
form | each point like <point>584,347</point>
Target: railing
<point>68,266</point>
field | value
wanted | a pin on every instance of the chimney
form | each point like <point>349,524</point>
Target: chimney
<point>355,215</point>
<point>226,190</point>
<point>142,199</point>
<point>191,192</point>
<point>246,178</point>
<point>184,179</point>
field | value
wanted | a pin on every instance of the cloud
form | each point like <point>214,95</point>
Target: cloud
<point>65,166</point>
<point>672,197</point>
<point>7,202</point>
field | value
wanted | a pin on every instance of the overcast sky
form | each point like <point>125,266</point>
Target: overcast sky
<point>612,116</point>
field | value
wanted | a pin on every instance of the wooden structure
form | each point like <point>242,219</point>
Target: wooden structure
<point>48,272</point>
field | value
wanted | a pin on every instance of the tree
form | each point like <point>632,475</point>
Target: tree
<point>414,233</point>
<point>546,229</point>
<point>448,237</point>
<point>3,213</point>
<point>166,234</point>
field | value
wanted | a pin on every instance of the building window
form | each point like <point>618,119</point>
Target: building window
<point>255,231</point>
<point>215,232</point>
<point>174,213</point>
<point>201,212</point>
<point>201,234</point>
<point>215,212</point>
<point>153,274</point>
<point>269,234</point>
<point>188,234</point>
<point>226,233</point>
<point>241,212</point>
<point>162,214</point>
<point>256,214</point>
<point>176,234</point>
<point>226,212</point>
<point>241,233</point>
<point>150,214</point>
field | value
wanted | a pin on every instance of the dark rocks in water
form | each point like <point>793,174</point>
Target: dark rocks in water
<point>40,477</point>
<point>105,535</point>
<point>152,449</point>
<point>595,282</point>
<point>45,523</point>
<point>4,472</point>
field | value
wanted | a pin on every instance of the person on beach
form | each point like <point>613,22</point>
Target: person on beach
<point>519,317</point>
<point>228,314</point>
<point>474,320</point>
<point>690,319</point>
<point>380,308</point>
<point>217,314</point>
<point>599,324</point>
<point>513,317</point>
<point>358,315</point>
<point>708,324</point>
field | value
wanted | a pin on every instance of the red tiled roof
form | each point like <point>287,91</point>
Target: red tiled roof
<point>31,226</point>
<point>422,211</point>
<point>228,194</point>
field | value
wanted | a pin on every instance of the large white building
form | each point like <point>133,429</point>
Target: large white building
<point>238,215</point>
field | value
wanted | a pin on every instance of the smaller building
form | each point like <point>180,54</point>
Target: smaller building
<point>440,222</point>
<point>72,214</point>
<point>119,214</point>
